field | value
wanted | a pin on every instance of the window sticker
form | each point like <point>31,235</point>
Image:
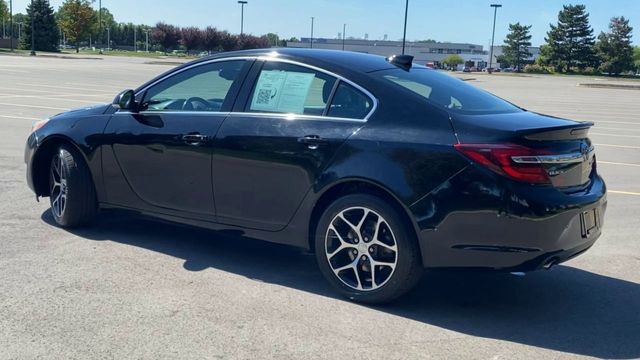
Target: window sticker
<point>281,91</point>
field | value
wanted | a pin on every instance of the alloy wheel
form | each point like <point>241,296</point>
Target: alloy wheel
<point>361,248</point>
<point>58,181</point>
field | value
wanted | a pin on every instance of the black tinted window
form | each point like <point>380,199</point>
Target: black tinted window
<point>446,91</point>
<point>348,102</point>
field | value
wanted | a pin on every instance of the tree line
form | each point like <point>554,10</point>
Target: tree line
<point>571,46</point>
<point>76,22</point>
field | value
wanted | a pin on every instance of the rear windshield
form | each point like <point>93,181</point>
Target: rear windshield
<point>446,91</point>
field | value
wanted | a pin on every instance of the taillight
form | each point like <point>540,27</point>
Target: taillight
<point>499,159</point>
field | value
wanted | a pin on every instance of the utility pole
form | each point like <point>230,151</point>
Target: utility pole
<point>493,34</point>
<point>344,34</point>
<point>404,35</point>
<point>135,39</point>
<point>312,18</point>
<point>242,4</point>
<point>33,29</point>
<point>147,41</point>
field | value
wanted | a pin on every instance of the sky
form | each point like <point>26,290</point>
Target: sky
<point>467,21</point>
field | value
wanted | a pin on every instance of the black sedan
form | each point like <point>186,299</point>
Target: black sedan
<point>380,166</point>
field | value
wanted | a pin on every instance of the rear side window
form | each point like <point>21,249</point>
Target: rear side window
<point>348,102</point>
<point>291,89</point>
<point>447,92</point>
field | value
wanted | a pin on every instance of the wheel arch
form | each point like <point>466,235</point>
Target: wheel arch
<point>357,186</point>
<point>42,157</point>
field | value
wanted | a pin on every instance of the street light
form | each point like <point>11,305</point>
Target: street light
<point>493,34</point>
<point>147,41</point>
<point>311,46</point>
<point>344,34</point>
<point>33,29</point>
<point>242,4</point>
<point>11,22</point>
<point>404,36</point>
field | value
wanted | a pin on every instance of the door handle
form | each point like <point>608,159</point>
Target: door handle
<point>313,141</point>
<point>194,139</point>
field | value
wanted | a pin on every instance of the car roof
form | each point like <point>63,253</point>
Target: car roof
<point>353,61</point>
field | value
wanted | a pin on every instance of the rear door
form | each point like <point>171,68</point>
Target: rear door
<point>164,151</point>
<point>271,149</point>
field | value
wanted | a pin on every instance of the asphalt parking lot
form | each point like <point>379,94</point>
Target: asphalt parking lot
<point>132,288</point>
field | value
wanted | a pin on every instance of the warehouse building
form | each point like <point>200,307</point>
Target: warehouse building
<point>423,52</point>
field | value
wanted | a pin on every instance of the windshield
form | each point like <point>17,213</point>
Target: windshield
<point>446,91</point>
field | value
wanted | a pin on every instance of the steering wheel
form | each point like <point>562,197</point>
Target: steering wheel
<point>196,104</point>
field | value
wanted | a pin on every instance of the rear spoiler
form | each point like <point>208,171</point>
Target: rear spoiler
<point>569,132</point>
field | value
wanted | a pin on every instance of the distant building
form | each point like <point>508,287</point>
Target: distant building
<point>423,52</point>
<point>497,51</point>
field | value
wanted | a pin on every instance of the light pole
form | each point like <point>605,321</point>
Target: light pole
<point>404,35</point>
<point>100,20</point>
<point>33,30</point>
<point>108,39</point>
<point>242,4</point>
<point>11,22</point>
<point>135,39</point>
<point>147,40</point>
<point>493,34</point>
<point>344,34</point>
<point>311,45</point>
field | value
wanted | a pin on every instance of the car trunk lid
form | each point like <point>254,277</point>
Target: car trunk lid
<point>529,147</point>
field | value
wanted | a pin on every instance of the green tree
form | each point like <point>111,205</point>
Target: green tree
<point>274,39</point>
<point>636,58</point>
<point>571,41</point>
<point>78,20</point>
<point>516,45</point>
<point>4,12</point>
<point>46,34</point>
<point>614,48</point>
<point>453,61</point>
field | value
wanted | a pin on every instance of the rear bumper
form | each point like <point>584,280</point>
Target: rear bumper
<point>516,228</point>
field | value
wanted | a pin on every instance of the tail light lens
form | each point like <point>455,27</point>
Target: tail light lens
<point>498,158</point>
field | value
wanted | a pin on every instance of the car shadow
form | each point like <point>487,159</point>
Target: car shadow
<point>565,309</point>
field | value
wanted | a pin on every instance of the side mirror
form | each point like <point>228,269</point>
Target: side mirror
<point>126,100</point>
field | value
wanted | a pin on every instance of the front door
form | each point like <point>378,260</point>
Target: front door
<point>164,151</point>
<point>269,152</point>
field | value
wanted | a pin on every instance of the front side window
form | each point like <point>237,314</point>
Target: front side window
<point>290,89</point>
<point>447,92</point>
<point>202,88</point>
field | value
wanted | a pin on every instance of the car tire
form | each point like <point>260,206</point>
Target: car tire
<point>72,194</point>
<point>348,247</point>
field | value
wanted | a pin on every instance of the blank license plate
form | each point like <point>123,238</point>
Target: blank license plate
<point>589,222</point>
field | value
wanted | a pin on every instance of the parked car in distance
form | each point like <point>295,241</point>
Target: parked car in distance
<point>380,166</point>
<point>466,69</point>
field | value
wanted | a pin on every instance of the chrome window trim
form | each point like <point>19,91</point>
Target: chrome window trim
<point>286,116</point>
<point>374,100</point>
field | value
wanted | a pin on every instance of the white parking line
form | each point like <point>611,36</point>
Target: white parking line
<point>19,117</point>
<point>623,192</point>
<point>36,106</point>
<point>619,129</point>
<point>617,163</point>
<point>58,87</point>
<point>615,135</point>
<point>619,146</point>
